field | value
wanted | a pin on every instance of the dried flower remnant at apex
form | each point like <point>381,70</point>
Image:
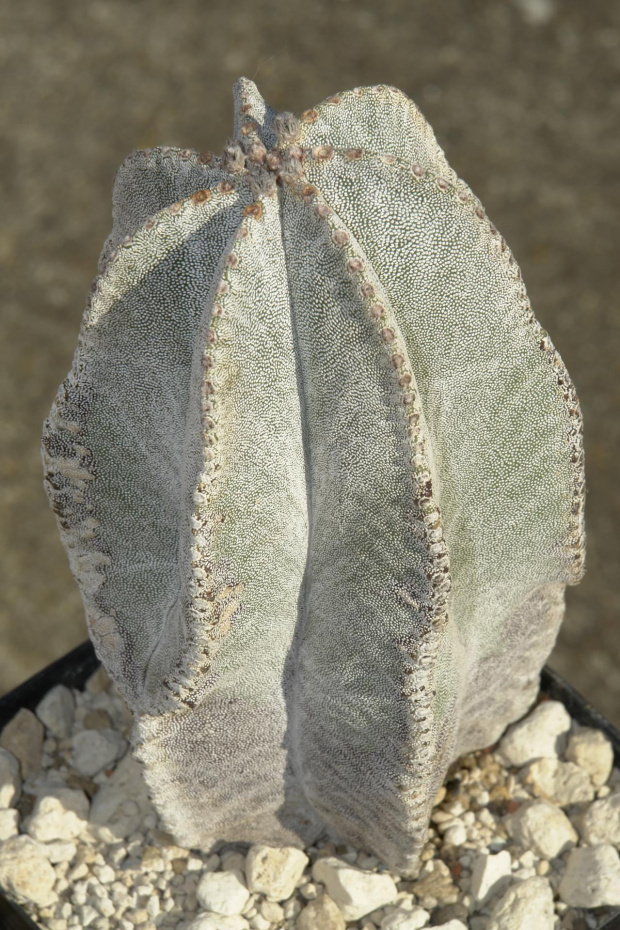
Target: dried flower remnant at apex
<point>319,330</point>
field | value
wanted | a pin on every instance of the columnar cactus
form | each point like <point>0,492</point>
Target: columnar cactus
<point>319,474</point>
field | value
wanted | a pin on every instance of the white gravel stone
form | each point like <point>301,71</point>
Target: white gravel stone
<point>10,779</point>
<point>561,782</point>
<point>591,750</point>
<point>9,821</point>
<point>25,872</point>
<point>222,892</point>
<point>411,919</point>
<point>600,821</point>
<point>273,871</point>
<point>60,851</point>
<point>118,808</point>
<point>87,914</point>
<point>541,827</point>
<point>218,922</point>
<point>541,734</point>
<point>453,924</point>
<point>321,913</point>
<point>526,904</point>
<point>271,911</point>
<point>258,922</point>
<point>491,873</point>
<point>592,877</point>
<point>104,873</point>
<point>455,835</point>
<point>357,892</point>
<point>95,750</point>
<point>56,711</point>
<point>58,814</point>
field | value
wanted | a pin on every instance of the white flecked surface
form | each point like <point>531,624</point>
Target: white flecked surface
<point>515,851</point>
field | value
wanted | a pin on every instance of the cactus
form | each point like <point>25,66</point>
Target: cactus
<point>319,474</point>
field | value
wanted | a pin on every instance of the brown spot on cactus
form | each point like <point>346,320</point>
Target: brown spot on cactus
<point>322,210</point>
<point>322,152</point>
<point>254,209</point>
<point>200,196</point>
<point>249,126</point>
<point>376,426</point>
<point>310,116</point>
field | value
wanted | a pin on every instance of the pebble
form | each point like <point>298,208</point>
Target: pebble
<point>218,922</point>
<point>9,820</point>
<point>542,827</point>
<point>60,851</point>
<point>561,782</point>
<point>435,883</point>
<point>401,919</point>
<point>271,911</point>
<point>10,781</point>
<point>118,808</point>
<point>98,682</point>
<point>526,904</point>
<point>498,847</point>
<point>26,873</point>
<point>455,835</point>
<point>23,737</point>
<point>94,750</point>
<point>322,912</point>
<point>58,814</point>
<point>592,877</point>
<point>357,892</point>
<point>490,875</point>
<point>274,871</point>
<point>600,821</point>
<point>56,710</point>
<point>591,750</point>
<point>222,892</point>
<point>541,734</point>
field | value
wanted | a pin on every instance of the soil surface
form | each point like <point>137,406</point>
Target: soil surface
<point>524,96</point>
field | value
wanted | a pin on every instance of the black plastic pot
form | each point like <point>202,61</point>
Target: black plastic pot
<point>77,666</point>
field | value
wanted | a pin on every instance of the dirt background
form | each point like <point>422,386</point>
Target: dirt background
<point>524,96</point>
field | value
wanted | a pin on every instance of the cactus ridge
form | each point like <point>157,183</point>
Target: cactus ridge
<point>319,473</point>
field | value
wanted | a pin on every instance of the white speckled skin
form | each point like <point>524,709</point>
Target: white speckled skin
<point>319,473</point>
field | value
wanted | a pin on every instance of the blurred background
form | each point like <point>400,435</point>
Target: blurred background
<point>524,96</point>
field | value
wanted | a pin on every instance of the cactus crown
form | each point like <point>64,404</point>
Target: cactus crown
<point>319,474</point>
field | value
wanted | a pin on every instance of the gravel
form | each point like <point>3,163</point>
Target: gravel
<point>526,833</point>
